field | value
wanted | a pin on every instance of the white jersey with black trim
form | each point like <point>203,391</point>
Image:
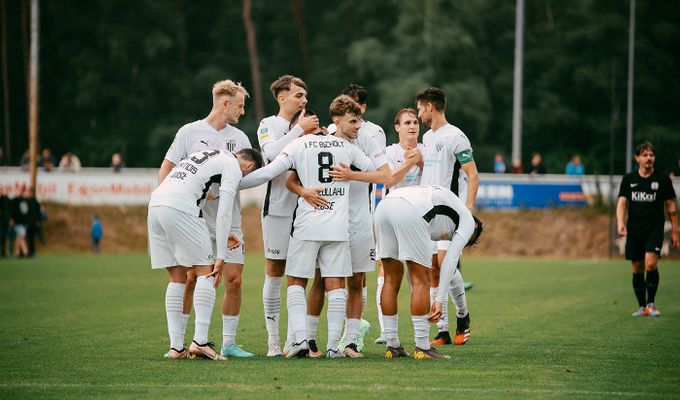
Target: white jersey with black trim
<point>273,135</point>
<point>361,193</point>
<point>438,206</point>
<point>312,157</point>
<point>200,135</point>
<point>188,182</point>
<point>395,158</point>
<point>446,149</point>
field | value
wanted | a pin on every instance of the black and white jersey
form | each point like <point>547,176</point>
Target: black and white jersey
<point>188,183</point>
<point>273,135</point>
<point>441,209</point>
<point>446,150</point>
<point>312,156</point>
<point>361,193</point>
<point>200,135</point>
<point>646,198</point>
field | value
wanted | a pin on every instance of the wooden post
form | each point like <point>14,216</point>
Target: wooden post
<point>33,95</point>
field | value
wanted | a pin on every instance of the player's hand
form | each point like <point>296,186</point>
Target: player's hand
<point>341,172</point>
<point>675,240</point>
<point>324,130</point>
<point>217,272</point>
<point>435,312</point>
<point>233,242</point>
<point>622,230</point>
<point>308,123</point>
<point>312,196</point>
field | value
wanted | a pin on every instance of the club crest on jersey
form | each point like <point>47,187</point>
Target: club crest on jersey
<point>230,145</point>
<point>439,147</point>
<point>655,185</point>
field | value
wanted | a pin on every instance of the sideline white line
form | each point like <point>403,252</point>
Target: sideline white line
<point>259,387</point>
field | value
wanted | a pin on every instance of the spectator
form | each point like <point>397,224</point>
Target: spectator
<point>20,209</point>
<point>537,167</point>
<point>4,220</point>
<point>33,225</point>
<point>117,162</point>
<point>517,167</point>
<point>575,166</point>
<point>96,233</point>
<point>25,161</point>
<point>499,164</point>
<point>46,160</point>
<point>69,162</point>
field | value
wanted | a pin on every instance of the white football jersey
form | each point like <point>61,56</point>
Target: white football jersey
<point>312,157</point>
<point>446,149</point>
<point>200,135</point>
<point>273,134</point>
<point>188,183</point>
<point>395,158</point>
<point>360,193</point>
<point>437,205</point>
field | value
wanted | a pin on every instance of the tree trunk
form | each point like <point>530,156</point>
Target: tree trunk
<point>298,7</point>
<point>5,85</point>
<point>252,57</point>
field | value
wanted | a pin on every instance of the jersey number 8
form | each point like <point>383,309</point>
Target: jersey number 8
<point>325,162</point>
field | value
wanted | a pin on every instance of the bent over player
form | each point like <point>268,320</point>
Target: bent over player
<point>179,238</point>
<point>406,221</point>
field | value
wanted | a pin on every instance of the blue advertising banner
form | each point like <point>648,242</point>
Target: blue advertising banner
<point>497,194</point>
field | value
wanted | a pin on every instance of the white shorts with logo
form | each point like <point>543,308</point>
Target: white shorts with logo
<point>401,233</point>
<point>362,251</point>
<point>276,236</point>
<point>236,256</point>
<point>177,238</point>
<point>333,259</point>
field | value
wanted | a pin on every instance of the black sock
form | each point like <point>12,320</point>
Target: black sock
<point>652,284</point>
<point>639,288</point>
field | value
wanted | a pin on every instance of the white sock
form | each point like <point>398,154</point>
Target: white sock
<point>312,326</point>
<point>442,324</point>
<point>352,331</point>
<point>204,302</point>
<point>229,326</point>
<point>378,292</point>
<point>421,329</point>
<point>457,293</point>
<point>185,322</point>
<point>271,298</point>
<point>297,313</point>
<point>364,299</point>
<point>174,301</point>
<point>391,326</point>
<point>337,305</point>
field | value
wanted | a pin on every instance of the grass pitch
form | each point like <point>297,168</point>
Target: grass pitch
<point>83,326</point>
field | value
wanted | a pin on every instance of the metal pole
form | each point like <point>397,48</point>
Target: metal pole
<point>631,66</point>
<point>517,92</point>
<point>33,94</point>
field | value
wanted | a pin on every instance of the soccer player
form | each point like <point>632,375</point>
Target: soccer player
<point>216,131</point>
<point>179,238</point>
<point>403,174</point>
<point>406,221</point>
<point>322,233</point>
<point>449,163</point>
<point>643,195</point>
<point>274,133</point>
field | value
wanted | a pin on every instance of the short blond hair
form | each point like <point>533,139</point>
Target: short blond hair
<point>228,88</point>
<point>344,104</point>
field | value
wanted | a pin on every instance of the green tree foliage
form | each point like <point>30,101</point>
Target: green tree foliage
<point>122,76</point>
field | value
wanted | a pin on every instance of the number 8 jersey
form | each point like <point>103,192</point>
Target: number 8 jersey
<point>187,184</point>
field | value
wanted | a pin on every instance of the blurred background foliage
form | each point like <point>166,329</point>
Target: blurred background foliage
<point>123,76</point>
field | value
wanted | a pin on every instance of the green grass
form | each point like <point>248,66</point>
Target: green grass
<point>82,326</point>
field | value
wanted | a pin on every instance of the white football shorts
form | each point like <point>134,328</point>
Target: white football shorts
<point>362,251</point>
<point>276,236</point>
<point>177,238</point>
<point>333,259</point>
<point>401,233</point>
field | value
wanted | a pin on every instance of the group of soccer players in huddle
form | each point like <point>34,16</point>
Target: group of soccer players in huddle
<point>319,222</point>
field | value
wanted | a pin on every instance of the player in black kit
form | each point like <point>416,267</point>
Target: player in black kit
<point>643,194</point>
